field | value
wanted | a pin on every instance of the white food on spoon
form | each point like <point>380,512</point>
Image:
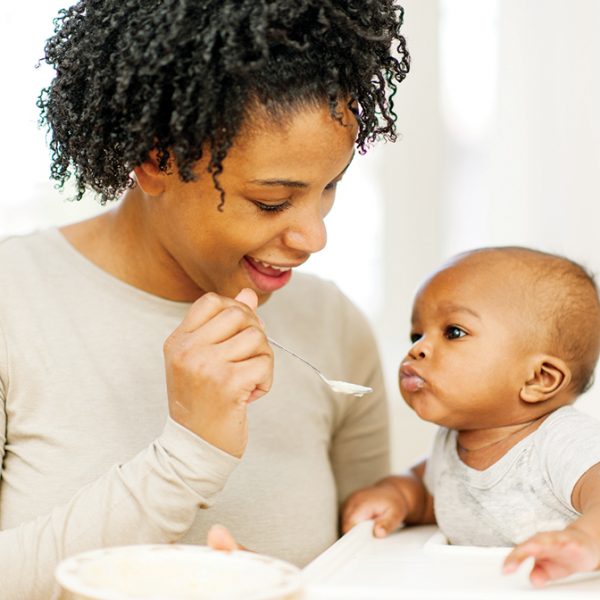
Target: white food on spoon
<point>344,387</point>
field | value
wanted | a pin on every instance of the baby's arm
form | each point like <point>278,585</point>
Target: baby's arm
<point>390,502</point>
<point>576,548</point>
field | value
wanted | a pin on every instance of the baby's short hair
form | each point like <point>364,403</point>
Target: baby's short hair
<point>566,305</point>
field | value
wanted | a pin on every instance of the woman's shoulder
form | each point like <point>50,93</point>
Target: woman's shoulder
<point>21,250</point>
<point>310,297</point>
<point>19,254</point>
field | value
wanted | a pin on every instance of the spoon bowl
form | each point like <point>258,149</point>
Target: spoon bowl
<point>342,387</point>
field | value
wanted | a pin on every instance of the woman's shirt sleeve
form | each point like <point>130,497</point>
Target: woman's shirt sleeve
<point>151,498</point>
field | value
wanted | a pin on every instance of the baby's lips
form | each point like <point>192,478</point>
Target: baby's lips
<point>410,380</point>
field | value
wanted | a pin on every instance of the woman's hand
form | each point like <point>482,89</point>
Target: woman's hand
<point>217,361</point>
<point>556,555</point>
<point>220,538</point>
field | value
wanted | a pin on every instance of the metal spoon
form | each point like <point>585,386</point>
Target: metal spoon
<point>343,387</point>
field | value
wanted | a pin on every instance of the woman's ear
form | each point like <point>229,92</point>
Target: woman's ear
<point>551,375</point>
<point>149,177</point>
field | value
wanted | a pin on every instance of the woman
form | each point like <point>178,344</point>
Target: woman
<point>223,127</point>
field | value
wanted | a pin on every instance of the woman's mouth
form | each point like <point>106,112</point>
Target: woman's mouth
<point>410,380</point>
<point>265,276</point>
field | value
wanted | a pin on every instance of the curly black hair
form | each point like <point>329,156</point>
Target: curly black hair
<point>179,76</point>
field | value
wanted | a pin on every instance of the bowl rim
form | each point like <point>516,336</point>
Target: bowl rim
<point>66,572</point>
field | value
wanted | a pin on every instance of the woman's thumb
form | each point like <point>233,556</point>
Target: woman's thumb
<point>248,297</point>
<point>220,538</point>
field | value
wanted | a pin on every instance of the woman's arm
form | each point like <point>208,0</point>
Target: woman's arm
<point>153,497</point>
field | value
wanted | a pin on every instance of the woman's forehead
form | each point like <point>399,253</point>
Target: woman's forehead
<point>308,139</point>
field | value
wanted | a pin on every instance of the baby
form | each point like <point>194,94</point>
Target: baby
<point>503,342</point>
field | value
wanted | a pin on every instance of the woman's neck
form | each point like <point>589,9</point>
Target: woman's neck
<point>121,241</point>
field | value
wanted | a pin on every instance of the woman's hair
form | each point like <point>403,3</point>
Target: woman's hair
<point>179,77</point>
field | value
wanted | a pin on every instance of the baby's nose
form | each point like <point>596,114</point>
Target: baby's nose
<point>420,349</point>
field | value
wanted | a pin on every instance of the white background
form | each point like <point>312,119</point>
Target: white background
<point>500,145</point>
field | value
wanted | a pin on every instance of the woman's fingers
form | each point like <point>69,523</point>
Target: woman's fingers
<point>244,345</point>
<point>210,304</point>
<point>220,538</point>
<point>249,380</point>
<point>216,362</point>
<point>225,325</point>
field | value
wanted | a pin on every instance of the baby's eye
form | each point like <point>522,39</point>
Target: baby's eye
<point>452,332</point>
<point>415,337</point>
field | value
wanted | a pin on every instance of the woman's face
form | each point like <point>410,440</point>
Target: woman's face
<point>279,182</point>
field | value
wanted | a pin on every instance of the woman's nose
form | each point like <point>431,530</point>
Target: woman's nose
<point>308,232</point>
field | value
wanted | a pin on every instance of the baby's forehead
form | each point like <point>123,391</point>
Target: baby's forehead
<point>484,284</point>
<point>481,275</point>
<point>506,268</point>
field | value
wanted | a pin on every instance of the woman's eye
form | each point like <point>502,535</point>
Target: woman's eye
<point>414,337</point>
<point>272,208</point>
<point>332,186</point>
<point>453,332</point>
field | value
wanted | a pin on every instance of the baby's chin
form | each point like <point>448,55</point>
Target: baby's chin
<point>434,408</point>
<point>426,406</point>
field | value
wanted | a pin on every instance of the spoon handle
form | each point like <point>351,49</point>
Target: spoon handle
<point>274,343</point>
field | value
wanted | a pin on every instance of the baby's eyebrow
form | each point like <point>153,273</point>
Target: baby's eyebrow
<point>451,307</point>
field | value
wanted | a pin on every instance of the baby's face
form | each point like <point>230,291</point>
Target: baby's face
<point>471,342</point>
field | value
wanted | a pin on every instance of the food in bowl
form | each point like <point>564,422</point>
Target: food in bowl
<point>176,572</point>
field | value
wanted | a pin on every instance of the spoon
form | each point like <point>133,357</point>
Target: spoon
<point>342,387</point>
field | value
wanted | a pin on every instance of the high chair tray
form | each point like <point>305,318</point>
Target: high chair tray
<point>416,563</point>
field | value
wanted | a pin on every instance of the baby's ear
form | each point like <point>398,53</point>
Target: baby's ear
<point>550,375</point>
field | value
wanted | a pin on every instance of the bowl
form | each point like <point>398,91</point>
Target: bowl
<point>176,572</point>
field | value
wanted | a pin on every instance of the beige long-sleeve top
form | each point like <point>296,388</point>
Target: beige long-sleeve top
<point>90,457</point>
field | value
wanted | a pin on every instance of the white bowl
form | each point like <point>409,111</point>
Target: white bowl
<point>176,572</point>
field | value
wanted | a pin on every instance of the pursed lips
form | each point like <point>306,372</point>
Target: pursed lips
<point>410,379</point>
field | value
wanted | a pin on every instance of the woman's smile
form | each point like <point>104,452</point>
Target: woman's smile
<point>264,276</point>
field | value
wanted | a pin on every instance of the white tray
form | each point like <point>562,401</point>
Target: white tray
<point>416,563</point>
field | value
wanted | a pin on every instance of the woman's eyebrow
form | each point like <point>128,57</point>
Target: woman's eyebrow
<point>293,183</point>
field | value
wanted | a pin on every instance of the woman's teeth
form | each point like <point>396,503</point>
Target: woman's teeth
<point>270,266</point>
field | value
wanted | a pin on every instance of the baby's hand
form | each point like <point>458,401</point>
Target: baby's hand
<point>557,554</point>
<point>382,503</point>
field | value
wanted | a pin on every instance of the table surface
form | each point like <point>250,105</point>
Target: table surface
<point>417,564</point>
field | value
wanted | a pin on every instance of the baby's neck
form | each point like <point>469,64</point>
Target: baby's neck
<point>481,448</point>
